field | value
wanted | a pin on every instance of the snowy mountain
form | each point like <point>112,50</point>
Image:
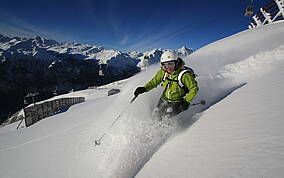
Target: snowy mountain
<point>184,51</point>
<point>149,58</point>
<point>49,66</point>
<point>239,133</point>
<point>49,50</point>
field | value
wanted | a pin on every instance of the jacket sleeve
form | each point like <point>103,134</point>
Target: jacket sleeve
<point>192,86</point>
<point>155,81</point>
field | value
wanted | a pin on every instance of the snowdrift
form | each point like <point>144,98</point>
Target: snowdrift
<point>197,140</point>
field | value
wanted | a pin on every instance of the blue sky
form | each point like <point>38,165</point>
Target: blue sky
<point>126,24</point>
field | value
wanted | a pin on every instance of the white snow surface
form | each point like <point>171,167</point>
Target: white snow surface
<point>239,133</point>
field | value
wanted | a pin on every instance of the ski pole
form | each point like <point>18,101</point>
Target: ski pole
<point>98,142</point>
<point>133,98</point>
<point>202,102</point>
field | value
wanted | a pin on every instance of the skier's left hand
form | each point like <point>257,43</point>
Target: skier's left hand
<point>139,90</point>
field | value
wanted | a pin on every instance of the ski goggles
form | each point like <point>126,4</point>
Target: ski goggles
<point>169,65</point>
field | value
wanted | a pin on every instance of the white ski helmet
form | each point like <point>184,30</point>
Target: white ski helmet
<point>169,55</point>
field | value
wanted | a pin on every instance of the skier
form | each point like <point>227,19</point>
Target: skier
<point>180,86</point>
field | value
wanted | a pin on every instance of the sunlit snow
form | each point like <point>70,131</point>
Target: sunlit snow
<point>237,134</point>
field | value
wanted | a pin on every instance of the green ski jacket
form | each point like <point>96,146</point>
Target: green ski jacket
<point>172,91</point>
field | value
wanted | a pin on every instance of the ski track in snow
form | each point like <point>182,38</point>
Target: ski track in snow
<point>132,144</point>
<point>46,136</point>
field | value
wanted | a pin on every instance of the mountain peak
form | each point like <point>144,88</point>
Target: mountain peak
<point>185,51</point>
<point>38,40</point>
<point>184,47</point>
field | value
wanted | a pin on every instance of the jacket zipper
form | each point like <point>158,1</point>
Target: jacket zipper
<point>169,87</point>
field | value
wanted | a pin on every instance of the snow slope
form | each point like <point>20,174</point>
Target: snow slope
<point>238,134</point>
<point>242,135</point>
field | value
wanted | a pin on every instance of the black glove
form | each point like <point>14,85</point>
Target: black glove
<point>139,90</point>
<point>185,105</point>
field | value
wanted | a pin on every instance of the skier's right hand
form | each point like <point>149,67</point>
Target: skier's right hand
<point>139,90</point>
